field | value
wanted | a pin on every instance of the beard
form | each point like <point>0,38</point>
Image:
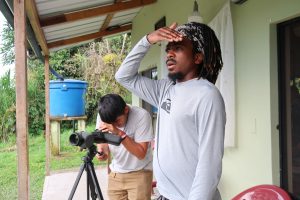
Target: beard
<point>175,76</point>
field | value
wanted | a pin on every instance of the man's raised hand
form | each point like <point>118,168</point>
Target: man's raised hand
<point>165,34</point>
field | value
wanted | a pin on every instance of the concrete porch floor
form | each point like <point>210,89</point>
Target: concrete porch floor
<point>58,185</point>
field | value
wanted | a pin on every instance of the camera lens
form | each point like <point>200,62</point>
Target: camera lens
<point>75,139</point>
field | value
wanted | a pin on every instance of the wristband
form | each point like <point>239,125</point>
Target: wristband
<point>123,135</point>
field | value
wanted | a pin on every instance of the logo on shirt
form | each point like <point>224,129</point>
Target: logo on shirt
<point>166,105</point>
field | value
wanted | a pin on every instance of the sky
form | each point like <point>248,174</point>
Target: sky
<point>3,69</point>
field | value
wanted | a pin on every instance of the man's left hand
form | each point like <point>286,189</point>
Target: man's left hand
<point>109,128</point>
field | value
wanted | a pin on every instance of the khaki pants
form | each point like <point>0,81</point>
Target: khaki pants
<point>132,185</point>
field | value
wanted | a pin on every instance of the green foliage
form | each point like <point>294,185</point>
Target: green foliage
<point>120,45</point>
<point>65,63</point>
<point>70,158</point>
<point>7,107</point>
<point>36,97</point>
<point>7,45</point>
<point>36,101</point>
<point>100,62</point>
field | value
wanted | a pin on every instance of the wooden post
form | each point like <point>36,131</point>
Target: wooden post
<point>47,116</point>
<point>21,99</point>
<point>55,130</point>
<point>81,125</point>
<point>55,137</point>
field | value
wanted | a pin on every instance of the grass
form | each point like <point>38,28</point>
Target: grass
<point>69,158</point>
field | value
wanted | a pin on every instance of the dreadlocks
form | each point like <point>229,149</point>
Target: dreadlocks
<point>204,41</point>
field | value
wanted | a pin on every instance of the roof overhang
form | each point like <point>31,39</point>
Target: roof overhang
<point>62,24</point>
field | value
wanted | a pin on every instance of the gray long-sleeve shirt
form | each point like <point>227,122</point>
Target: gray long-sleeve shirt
<point>190,130</point>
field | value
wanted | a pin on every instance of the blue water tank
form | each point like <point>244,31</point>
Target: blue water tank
<point>67,98</point>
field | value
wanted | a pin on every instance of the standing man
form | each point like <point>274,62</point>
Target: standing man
<point>191,113</point>
<point>131,167</point>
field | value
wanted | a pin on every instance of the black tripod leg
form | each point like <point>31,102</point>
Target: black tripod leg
<point>82,167</point>
<point>90,185</point>
<point>95,180</point>
<point>87,183</point>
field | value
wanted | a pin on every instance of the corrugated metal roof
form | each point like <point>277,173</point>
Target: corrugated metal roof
<point>48,8</point>
<point>61,31</point>
<point>124,17</point>
<point>72,29</point>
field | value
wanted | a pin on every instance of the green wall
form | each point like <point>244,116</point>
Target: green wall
<point>255,159</point>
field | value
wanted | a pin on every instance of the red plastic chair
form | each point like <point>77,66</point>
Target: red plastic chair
<point>263,192</point>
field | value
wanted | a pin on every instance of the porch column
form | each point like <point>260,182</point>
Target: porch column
<point>21,99</point>
<point>47,116</point>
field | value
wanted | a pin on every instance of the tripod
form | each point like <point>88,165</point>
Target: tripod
<point>91,181</point>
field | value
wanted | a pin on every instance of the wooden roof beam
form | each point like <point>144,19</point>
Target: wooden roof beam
<point>33,17</point>
<point>106,22</point>
<point>91,36</point>
<point>94,12</point>
<point>108,19</point>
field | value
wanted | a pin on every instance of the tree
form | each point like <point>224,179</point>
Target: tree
<point>7,45</point>
<point>36,97</point>
<point>100,61</point>
<point>7,107</point>
<point>65,63</point>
